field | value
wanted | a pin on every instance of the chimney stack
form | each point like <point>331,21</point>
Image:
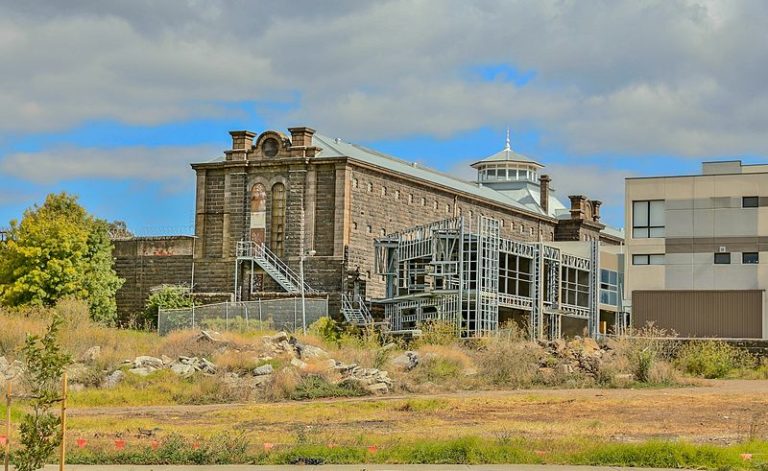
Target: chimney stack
<point>544,192</point>
<point>596,210</point>
<point>242,141</point>
<point>301,136</point>
<point>578,209</point>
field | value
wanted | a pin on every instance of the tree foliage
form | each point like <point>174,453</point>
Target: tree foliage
<point>40,430</point>
<point>167,297</point>
<point>59,250</point>
<point>119,230</point>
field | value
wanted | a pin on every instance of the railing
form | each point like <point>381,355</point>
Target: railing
<point>356,309</point>
<point>260,252</point>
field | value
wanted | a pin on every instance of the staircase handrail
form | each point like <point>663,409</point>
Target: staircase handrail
<point>252,249</point>
<point>364,310</point>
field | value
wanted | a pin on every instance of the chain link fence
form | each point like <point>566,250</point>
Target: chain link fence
<point>277,314</point>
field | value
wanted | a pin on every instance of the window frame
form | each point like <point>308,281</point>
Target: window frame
<point>648,259</point>
<point>721,255</point>
<point>755,199</point>
<point>648,227</point>
<point>745,254</point>
<point>609,285</point>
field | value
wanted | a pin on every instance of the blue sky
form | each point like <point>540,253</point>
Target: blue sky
<point>112,101</point>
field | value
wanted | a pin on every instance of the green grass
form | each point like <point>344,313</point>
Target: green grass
<point>235,449</point>
<point>317,387</point>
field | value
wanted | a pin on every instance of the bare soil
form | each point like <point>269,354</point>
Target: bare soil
<point>718,412</point>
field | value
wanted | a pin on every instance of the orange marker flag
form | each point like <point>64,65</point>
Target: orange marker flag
<point>81,442</point>
<point>119,444</point>
<point>268,446</point>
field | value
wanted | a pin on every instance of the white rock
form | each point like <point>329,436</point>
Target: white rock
<point>147,361</point>
<point>91,355</point>
<point>141,371</point>
<point>263,370</point>
<point>183,370</point>
<point>112,380</point>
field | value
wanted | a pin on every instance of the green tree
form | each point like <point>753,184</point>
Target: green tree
<point>40,430</point>
<point>167,297</point>
<point>59,250</point>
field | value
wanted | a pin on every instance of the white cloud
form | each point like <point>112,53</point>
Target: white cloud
<point>655,76</point>
<point>169,165</point>
<point>595,182</point>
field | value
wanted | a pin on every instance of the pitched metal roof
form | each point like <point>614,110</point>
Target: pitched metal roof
<point>338,148</point>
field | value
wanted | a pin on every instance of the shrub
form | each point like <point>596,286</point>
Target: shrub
<point>316,387</point>
<point>167,297</point>
<point>712,359</point>
<point>327,329</point>
<point>643,348</point>
<point>510,361</point>
<point>438,333</point>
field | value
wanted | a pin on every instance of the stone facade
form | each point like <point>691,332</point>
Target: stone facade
<point>295,196</point>
<point>147,262</point>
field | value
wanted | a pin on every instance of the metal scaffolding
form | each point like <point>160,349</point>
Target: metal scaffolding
<point>444,271</point>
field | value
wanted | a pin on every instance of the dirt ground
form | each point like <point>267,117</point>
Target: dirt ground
<point>719,412</point>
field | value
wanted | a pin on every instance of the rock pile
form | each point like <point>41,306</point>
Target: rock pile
<point>182,366</point>
<point>583,355</point>
<point>407,361</point>
<point>371,379</point>
<point>282,343</point>
<point>307,359</point>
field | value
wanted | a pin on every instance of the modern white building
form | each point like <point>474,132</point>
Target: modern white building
<point>697,260</point>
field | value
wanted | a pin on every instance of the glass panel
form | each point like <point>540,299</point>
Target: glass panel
<point>640,233</point>
<point>657,213</point>
<point>749,202</point>
<point>657,259</point>
<point>722,259</point>
<point>640,213</point>
<point>750,257</point>
<point>640,259</point>
<point>657,232</point>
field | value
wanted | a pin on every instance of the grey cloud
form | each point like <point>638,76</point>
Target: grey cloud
<point>169,165</point>
<point>654,76</point>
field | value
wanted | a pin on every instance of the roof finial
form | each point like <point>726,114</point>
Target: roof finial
<point>506,146</point>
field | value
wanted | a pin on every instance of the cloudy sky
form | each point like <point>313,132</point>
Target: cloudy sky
<point>112,100</point>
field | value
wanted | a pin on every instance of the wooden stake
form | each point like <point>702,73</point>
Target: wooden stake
<point>7,426</point>
<point>63,456</point>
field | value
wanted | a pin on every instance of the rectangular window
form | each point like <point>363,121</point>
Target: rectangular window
<point>648,259</point>
<point>722,259</point>
<point>647,219</point>
<point>750,202</point>
<point>750,258</point>
<point>609,287</point>
<point>575,287</point>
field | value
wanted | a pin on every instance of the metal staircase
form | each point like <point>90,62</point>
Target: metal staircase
<point>355,311</point>
<point>273,266</point>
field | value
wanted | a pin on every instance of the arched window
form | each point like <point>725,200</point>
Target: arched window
<point>258,213</point>
<point>277,228</point>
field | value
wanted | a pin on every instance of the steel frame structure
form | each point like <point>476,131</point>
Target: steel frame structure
<point>444,271</point>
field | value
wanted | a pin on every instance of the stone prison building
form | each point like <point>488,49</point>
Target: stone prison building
<point>274,198</point>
